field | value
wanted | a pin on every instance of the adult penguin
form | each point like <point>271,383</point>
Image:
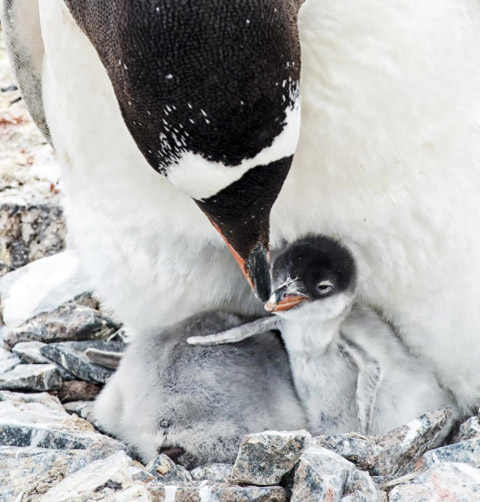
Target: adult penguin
<point>387,161</point>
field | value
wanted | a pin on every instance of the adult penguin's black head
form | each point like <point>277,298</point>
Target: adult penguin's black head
<point>209,92</point>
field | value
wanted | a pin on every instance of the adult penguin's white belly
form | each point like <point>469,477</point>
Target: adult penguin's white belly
<point>389,161</point>
<point>152,254</point>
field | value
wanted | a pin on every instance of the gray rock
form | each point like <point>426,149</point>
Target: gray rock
<point>394,453</point>
<point>360,482</point>
<point>466,452</point>
<point>29,232</point>
<point>220,473</point>
<point>36,377</point>
<point>356,497</point>
<point>321,476</point>
<point>167,472</point>
<point>468,430</point>
<point>81,408</point>
<point>264,458</point>
<point>69,322</point>
<point>100,480</point>
<point>138,492</point>
<point>41,286</point>
<point>8,361</point>
<point>40,420</point>
<point>33,471</point>
<point>71,356</point>
<point>442,482</point>
<point>77,390</point>
<point>218,493</point>
<point>29,353</point>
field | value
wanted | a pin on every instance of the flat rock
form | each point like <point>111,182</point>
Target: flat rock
<point>221,473</point>
<point>29,352</point>
<point>100,480</point>
<point>40,420</point>
<point>168,472</point>
<point>36,377</point>
<point>138,492</point>
<point>321,476</point>
<point>442,482</point>
<point>33,471</point>
<point>69,322</point>
<point>207,492</point>
<point>77,390</point>
<point>396,452</point>
<point>41,286</point>
<point>466,452</point>
<point>71,356</point>
<point>264,458</point>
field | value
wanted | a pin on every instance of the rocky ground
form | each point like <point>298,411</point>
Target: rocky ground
<point>50,451</point>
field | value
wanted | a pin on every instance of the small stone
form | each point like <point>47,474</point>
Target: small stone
<point>8,361</point>
<point>264,458</point>
<point>69,322</point>
<point>37,377</point>
<point>29,353</point>
<point>321,476</point>
<point>40,420</point>
<point>81,408</point>
<point>466,452</point>
<point>469,430</point>
<point>220,473</point>
<point>77,390</point>
<point>167,472</point>
<point>396,452</point>
<point>33,471</point>
<point>99,480</point>
<point>361,482</point>
<point>445,481</point>
<point>71,356</point>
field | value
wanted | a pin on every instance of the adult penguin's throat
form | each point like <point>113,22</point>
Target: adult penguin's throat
<point>241,214</point>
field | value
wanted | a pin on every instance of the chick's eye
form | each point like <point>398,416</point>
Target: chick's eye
<point>324,287</point>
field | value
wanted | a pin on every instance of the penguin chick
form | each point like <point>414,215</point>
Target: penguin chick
<point>196,403</point>
<point>350,369</point>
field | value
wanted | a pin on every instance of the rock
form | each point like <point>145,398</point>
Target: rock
<point>221,473</point>
<point>71,356</point>
<point>138,492</point>
<point>77,390</point>
<point>29,353</point>
<point>167,472</point>
<point>394,453</point>
<point>40,420</point>
<point>69,322</point>
<point>81,408</point>
<point>29,231</point>
<point>356,497</point>
<point>8,361</point>
<point>466,452</point>
<point>219,493</point>
<point>360,482</point>
<point>468,430</point>
<point>36,377</point>
<point>100,480</point>
<point>445,481</point>
<point>321,475</point>
<point>265,457</point>
<point>33,471</point>
<point>41,286</point>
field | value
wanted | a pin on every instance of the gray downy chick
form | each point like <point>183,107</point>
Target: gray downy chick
<point>350,369</point>
<point>196,403</point>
